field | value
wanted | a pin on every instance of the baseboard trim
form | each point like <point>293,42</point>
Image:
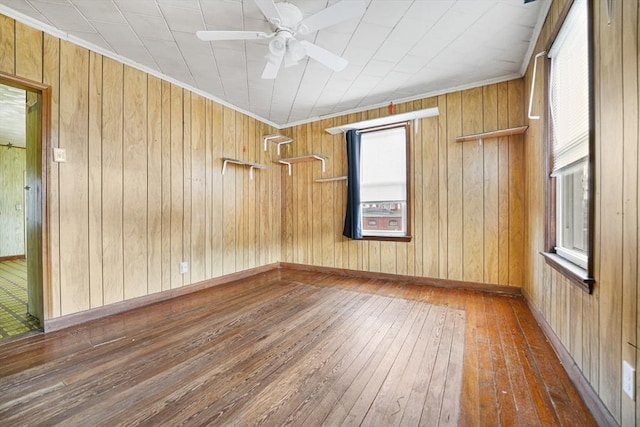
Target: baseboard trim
<point>440,283</point>
<point>600,412</point>
<point>12,257</point>
<point>75,319</point>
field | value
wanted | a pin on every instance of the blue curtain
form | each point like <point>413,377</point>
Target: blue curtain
<point>353,219</point>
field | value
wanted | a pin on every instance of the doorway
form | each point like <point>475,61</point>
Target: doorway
<point>21,183</point>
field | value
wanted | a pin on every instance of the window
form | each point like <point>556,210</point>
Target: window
<point>569,103</point>
<point>383,182</point>
<point>378,204</point>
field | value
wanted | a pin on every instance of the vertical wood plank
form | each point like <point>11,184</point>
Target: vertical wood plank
<point>229,197</point>
<point>7,45</point>
<point>112,180</point>
<point>95,180</point>
<point>51,76</point>
<point>630,43</point>
<point>472,188</point>
<point>166,185</point>
<point>186,185</point>
<point>177,185</point>
<point>443,192</point>
<point>611,256</point>
<point>503,185</point>
<point>491,194</point>
<point>217,236</point>
<point>134,198</point>
<point>154,184</point>
<point>199,212</point>
<point>455,238</point>
<point>28,55</point>
<point>516,184</point>
<point>74,179</point>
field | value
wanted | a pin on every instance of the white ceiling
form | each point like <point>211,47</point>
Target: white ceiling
<point>399,49</point>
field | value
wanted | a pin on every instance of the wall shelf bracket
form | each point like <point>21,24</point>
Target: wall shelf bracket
<point>278,139</point>
<point>309,157</point>
<point>251,165</point>
<point>493,134</point>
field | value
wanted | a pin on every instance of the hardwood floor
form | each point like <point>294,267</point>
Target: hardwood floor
<point>296,348</point>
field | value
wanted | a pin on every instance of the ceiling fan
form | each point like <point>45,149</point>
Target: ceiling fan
<point>287,21</point>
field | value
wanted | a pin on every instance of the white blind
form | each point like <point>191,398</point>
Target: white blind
<point>569,86</point>
<point>383,165</point>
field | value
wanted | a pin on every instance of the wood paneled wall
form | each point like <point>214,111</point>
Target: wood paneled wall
<point>142,188</point>
<point>599,330</point>
<point>12,231</point>
<point>467,198</point>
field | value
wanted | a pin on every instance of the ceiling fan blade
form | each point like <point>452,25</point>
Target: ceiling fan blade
<point>269,10</point>
<point>339,12</point>
<point>323,56</point>
<point>273,66</point>
<point>231,35</point>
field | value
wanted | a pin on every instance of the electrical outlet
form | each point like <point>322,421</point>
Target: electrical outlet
<point>184,267</point>
<point>59,155</point>
<point>628,380</point>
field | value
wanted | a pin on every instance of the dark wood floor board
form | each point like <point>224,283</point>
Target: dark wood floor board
<point>557,387</point>
<point>524,402</point>
<point>531,371</point>
<point>384,388</point>
<point>300,335</point>
<point>364,387</point>
<point>397,386</point>
<point>363,345</point>
<point>291,347</point>
<point>472,385</point>
<point>418,373</point>
<point>341,355</point>
<point>296,384</point>
<point>169,315</point>
<point>500,396</point>
<point>450,409</point>
<point>433,403</point>
<point>123,338</point>
<point>141,363</point>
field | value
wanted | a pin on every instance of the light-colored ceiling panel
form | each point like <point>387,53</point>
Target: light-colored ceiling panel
<point>166,54</point>
<point>24,7</point>
<point>149,27</point>
<point>386,13</point>
<point>398,49</point>
<point>93,38</point>
<point>224,14</point>
<point>378,68</point>
<point>143,7</point>
<point>187,4</point>
<point>123,41</point>
<point>65,17</point>
<point>392,51</point>
<point>180,18</point>
<point>99,10</point>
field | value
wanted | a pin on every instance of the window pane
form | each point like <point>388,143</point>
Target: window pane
<point>572,221</point>
<point>383,182</point>
<point>383,171</point>
<point>569,96</point>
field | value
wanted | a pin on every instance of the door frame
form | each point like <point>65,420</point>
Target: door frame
<point>44,252</point>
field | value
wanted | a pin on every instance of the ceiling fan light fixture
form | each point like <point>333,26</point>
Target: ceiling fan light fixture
<point>297,51</point>
<point>278,45</point>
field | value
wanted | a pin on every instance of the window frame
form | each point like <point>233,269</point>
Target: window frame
<point>581,277</point>
<point>407,237</point>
